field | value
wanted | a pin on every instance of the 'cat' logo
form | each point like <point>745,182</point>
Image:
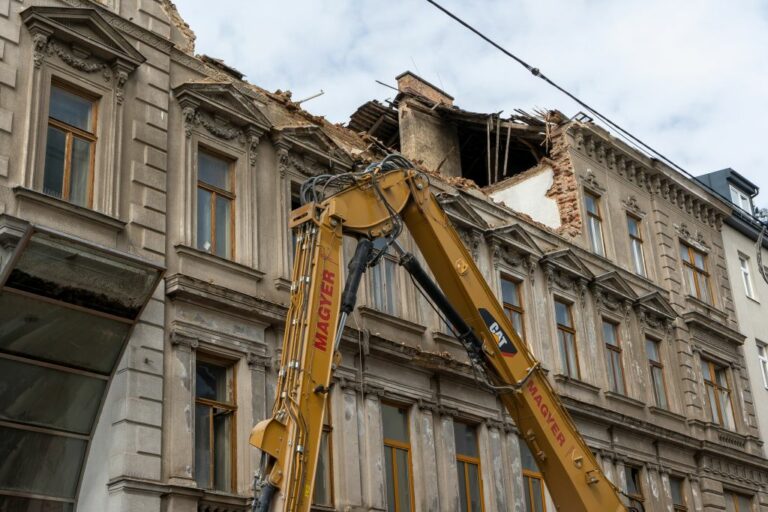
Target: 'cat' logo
<point>504,342</point>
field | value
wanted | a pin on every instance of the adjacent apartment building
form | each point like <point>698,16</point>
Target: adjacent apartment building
<point>145,262</point>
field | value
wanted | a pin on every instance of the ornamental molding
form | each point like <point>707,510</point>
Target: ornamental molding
<point>696,239</point>
<point>631,205</point>
<point>590,181</point>
<point>312,150</point>
<point>461,212</point>
<point>472,240</point>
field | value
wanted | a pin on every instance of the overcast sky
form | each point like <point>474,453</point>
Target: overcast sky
<point>690,78</point>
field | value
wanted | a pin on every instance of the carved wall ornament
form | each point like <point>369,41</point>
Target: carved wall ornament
<point>282,161</point>
<point>69,57</point>
<point>121,78</point>
<point>590,180</point>
<point>221,129</point>
<point>253,150</point>
<point>184,340</point>
<point>189,114</point>
<point>39,45</point>
<point>631,204</point>
<point>472,241</point>
<point>696,239</point>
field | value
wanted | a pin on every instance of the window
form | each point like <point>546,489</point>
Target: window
<point>468,468</point>
<point>566,337</point>
<point>215,198</point>
<point>323,494</point>
<point>677,487</point>
<point>634,488</point>
<point>763,357</point>
<point>70,147</point>
<point>656,368</point>
<point>718,393</point>
<point>215,411</point>
<point>741,199</point>
<point>384,282</point>
<point>696,275</point>
<point>594,223</point>
<point>613,357</point>
<point>397,458</point>
<point>511,297</point>
<point>636,245</point>
<point>295,203</point>
<point>533,481</point>
<point>737,502</point>
<point>746,276</point>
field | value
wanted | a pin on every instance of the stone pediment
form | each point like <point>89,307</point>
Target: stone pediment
<point>461,212</point>
<point>614,284</point>
<point>224,104</point>
<point>656,303</point>
<point>79,37</point>
<point>515,237</point>
<point>316,146</point>
<point>567,262</point>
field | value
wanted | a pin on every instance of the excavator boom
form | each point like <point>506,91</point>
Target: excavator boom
<point>377,204</point>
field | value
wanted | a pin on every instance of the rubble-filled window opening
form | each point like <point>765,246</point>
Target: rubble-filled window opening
<point>718,393</point>
<point>533,481</point>
<point>634,487</point>
<point>762,355</point>
<point>746,276</point>
<point>636,245</point>
<point>656,367</point>
<point>70,147</point>
<point>323,493</point>
<point>677,486</point>
<point>566,337</point>
<point>613,357</point>
<point>397,458</point>
<point>215,410</point>
<point>735,502</point>
<point>696,274</point>
<point>511,296</point>
<point>384,283</point>
<point>468,468</point>
<point>215,204</point>
<point>594,223</point>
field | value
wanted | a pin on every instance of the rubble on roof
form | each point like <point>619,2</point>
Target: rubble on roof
<point>185,31</point>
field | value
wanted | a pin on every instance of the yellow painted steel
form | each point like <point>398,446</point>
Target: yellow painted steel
<point>292,436</point>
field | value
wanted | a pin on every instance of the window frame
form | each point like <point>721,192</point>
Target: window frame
<point>377,272</point>
<point>70,133</point>
<point>617,349</point>
<point>528,476</point>
<point>216,191</point>
<point>393,445</point>
<point>637,482</point>
<point>598,217</point>
<point>713,367</point>
<point>231,367</point>
<point>637,239</point>
<point>572,331</point>
<point>734,495</point>
<point>507,307</point>
<point>745,269</point>
<point>762,357</point>
<point>697,272</point>
<point>678,507</point>
<point>652,363</point>
<point>467,459</point>
<point>740,196</point>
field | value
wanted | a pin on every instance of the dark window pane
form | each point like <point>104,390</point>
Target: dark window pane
<point>15,504</point>
<point>538,495</point>
<point>658,387</point>
<point>71,109</point>
<point>591,204</point>
<point>79,171</point>
<point>609,333</point>
<point>322,494</point>
<point>203,446</point>
<point>40,463</point>
<point>213,170</point>
<point>55,149</point>
<point>223,226</point>
<point>462,482</point>
<point>509,292</point>
<point>475,498</point>
<point>528,497</point>
<point>466,439</point>
<point>562,314</point>
<point>529,463</point>
<point>222,449</point>
<point>42,396</point>
<point>652,347</point>
<point>403,481</point>
<point>212,382</point>
<point>633,480</point>
<point>632,227</point>
<point>390,478</point>
<point>676,485</point>
<point>395,422</point>
<point>204,228</point>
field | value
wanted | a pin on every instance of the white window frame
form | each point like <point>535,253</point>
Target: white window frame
<point>762,356</point>
<point>740,199</point>
<point>746,276</point>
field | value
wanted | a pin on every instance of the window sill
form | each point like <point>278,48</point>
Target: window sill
<point>753,299</point>
<point>391,320</point>
<point>565,379</point>
<point>283,284</point>
<point>612,395</point>
<point>237,268</point>
<point>666,412</point>
<point>92,216</point>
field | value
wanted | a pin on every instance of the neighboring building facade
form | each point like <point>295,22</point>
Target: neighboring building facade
<point>141,156</point>
<point>740,235</point>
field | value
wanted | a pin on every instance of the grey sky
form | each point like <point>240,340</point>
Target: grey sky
<point>687,77</point>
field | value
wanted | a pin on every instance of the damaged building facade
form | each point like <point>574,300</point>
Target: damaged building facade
<point>119,145</point>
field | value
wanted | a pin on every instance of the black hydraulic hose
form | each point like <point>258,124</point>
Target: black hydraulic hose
<point>356,268</point>
<point>265,499</point>
<point>465,333</point>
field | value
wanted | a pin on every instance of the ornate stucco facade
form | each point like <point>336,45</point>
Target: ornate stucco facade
<point>159,109</point>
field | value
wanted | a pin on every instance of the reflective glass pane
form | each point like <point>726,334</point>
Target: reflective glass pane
<point>403,481</point>
<point>40,463</point>
<point>609,334</point>
<point>212,382</point>
<point>80,170</point>
<point>676,486</point>
<point>213,170</point>
<point>705,371</point>
<point>689,277</point>
<point>633,227</point>
<point>16,504</point>
<point>713,404</point>
<point>204,228</point>
<point>538,495</point>
<point>60,335</point>
<point>596,235</point>
<point>528,497</point>
<point>517,322</point>
<point>203,446</point>
<point>618,371</point>
<point>71,109</point>
<point>55,150</point>
<point>223,227</point>
<point>591,203</point>
<point>462,483</point>
<point>322,493</point>
<point>475,497</point>
<point>509,292</point>
<point>704,288</point>
<point>698,260</point>
<point>390,479</point>
<point>466,439</point>
<point>637,257</point>
<point>722,377</point>
<point>222,449</point>
<point>727,409</point>
<point>529,463</point>
<point>652,348</point>
<point>684,253</point>
<point>395,422</point>
<point>562,314</point>
<point>573,365</point>
<point>41,396</point>
<point>658,387</point>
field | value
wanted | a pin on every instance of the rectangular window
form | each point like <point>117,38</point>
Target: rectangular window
<point>384,282</point>
<point>594,223</point>
<point>656,368</point>
<point>634,488</point>
<point>70,147</point>
<point>468,468</point>
<point>215,205</point>
<point>746,277</point>
<point>397,458</point>
<point>741,199</point>
<point>696,274</point>
<point>718,393</point>
<point>566,337</point>
<point>511,297</point>
<point>215,411</point>
<point>323,494</point>
<point>735,502</point>
<point>636,245</point>
<point>613,357</point>
<point>677,486</point>
<point>763,357</point>
<point>533,481</point>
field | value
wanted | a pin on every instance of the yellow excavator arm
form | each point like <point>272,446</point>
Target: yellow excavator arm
<point>377,204</point>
